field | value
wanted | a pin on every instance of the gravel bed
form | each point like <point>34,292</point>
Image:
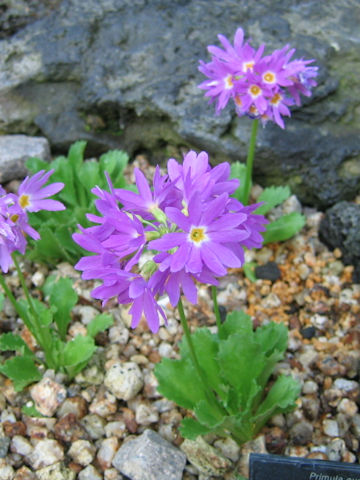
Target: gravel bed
<point>110,423</point>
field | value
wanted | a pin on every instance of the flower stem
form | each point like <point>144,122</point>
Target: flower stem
<point>216,310</point>
<point>35,327</point>
<point>14,303</point>
<point>209,392</point>
<point>250,161</point>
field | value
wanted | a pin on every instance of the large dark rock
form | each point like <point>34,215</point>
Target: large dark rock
<point>123,73</point>
<point>340,228</point>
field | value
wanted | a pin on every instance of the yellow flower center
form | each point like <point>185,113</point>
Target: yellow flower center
<point>238,101</point>
<point>276,99</point>
<point>255,90</point>
<point>14,218</point>
<point>197,235</point>
<point>253,110</point>
<point>248,66</point>
<point>228,81</point>
<point>269,77</point>
<point>24,201</point>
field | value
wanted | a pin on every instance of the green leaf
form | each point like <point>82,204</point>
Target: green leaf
<point>207,415</point>
<point>99,324</point>
<point>238,322</point>
<point>238,170</point>
<point>179,382</point>
<point>21,370</point>
<point>249,271</point>
<point>76,155</point>
<point>31,411</point>
<point>272,337</point>
<point>79,350</point>
<point>35,164</point>
<point>284,227</point>
<point>114,162</point>
<point>89,177</point>
<point>11,342</point>
<point>272,196</point>
<point>191,428</point>
<point>206,345</point>
<point>240,363</point>
<point>280,399</point>
<point>2,300</point>
<point>62,296</point>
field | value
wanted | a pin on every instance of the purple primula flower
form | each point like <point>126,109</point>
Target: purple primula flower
<point>187,223</point>
<point>33,195</point>
<point>14,221</point>
<point>148,202</point>
<point>261,86</point>
<point>200,241</point>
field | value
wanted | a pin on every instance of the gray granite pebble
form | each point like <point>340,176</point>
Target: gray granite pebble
<point>150,457</point>
<point>15,150</point>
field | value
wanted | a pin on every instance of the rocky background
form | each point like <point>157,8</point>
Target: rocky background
<point>123,74</point>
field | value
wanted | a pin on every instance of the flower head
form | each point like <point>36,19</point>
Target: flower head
<point>261,86</point>
<point>14,222</point>
<point>186,222</point>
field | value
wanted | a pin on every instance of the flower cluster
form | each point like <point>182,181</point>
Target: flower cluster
<point>260,86</point>
<point>187,227</point>
<point>32,196</point>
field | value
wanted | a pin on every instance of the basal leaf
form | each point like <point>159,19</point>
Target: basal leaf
<point>206,345</point>
<point>207,415</point>
<point>271,337</point>
<point>76,155</point>
<point>272,196</point>
<point>99,324</point>
<point>179,382</point>
<point>249,271</point>
<point>31,411</point>
<point>89,177</point>
<point>237,322</point>
<point>62,296</point>
<point>79,350</point>
<point>114,162</point>
<point>21,370</point>
<point>238,170</point>
<point>2,299</point>
<point>191,428</point>
<point>10,341</point>
<point>35,164</point>
<point>284,227</point>
<point>241,363</point>
<point>280,399</point>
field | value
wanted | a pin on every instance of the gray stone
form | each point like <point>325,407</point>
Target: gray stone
<point>15,150</point>
<point>205,458</point>
<point>89,473</point>
<point>87,71</point>
<point>301,433</point>
<point>4,446</point>
<point>340,229</point>
<point>150,457</point>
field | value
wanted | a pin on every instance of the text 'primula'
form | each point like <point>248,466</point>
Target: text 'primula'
<point>261,86</point>
<point>187,222</point>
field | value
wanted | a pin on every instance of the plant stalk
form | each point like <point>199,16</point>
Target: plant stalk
<point>216,310</point>
<point>250,161</point>
<point>36,328</point>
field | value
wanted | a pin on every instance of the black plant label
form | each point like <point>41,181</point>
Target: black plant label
<point>275,467</point>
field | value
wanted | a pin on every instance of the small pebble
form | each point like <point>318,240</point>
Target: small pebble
<point>46,452</point>
<point>89,473</point>
<point>124,380</point>
<point>106,452</point>
<point>47,395</point>
<point>82,452</point>
<point>330,428</point>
